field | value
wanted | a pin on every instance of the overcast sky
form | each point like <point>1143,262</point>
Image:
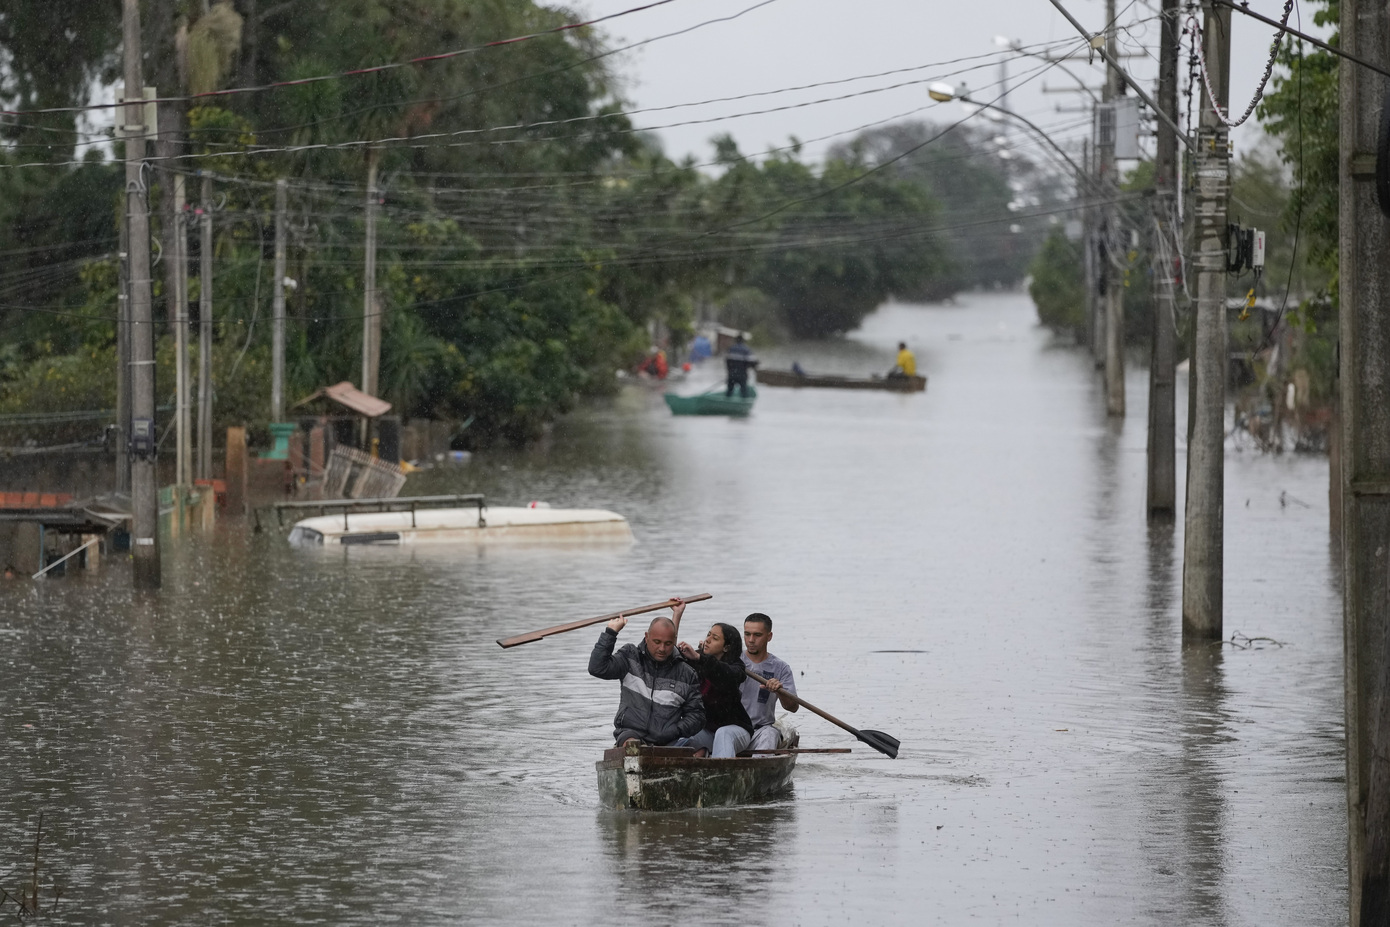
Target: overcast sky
<point>787,43</point>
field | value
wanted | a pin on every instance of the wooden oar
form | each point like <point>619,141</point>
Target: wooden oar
<point>876,739</point>
<point>576,625</point>
<point>797,750</point>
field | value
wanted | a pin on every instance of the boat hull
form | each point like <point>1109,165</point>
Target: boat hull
<point>917,384</point>
<point>464,525</point>
<point>712,404</point>
<point>640,778</point>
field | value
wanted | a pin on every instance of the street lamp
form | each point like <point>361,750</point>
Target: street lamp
<point>945,93</point>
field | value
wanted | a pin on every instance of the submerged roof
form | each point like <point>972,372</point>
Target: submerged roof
<point>345,394</point>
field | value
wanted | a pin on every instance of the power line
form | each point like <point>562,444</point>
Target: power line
<point>357,72</point>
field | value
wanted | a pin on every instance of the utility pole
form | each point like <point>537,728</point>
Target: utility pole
<point>1364,330</point>
<point>1096,254</point>
<point>174,230</point>
<point>1162,454</point>
<point>205,333</point>
<point>178,247</point>
<point>1204,536</point>
<point>1089,243</point>
<point>277,341</point>
<point>123,347</point>
<point>144,480</point>
<point>1114,288</point>
<point>371,313</point>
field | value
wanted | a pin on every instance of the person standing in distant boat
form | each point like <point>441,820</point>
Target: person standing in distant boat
<point>781,682</point>
<point>660,701</point>
<point>738,360</point>
<point>906,364</point>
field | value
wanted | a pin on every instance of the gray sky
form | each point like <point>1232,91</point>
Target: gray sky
<point>795,42</point>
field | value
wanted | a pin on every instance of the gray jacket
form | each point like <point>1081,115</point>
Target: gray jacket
<point>660,701</point>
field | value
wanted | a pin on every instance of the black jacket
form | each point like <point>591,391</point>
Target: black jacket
<point>720,688</point>
<point>660,701</point>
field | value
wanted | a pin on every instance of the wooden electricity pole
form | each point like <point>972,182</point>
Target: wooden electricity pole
<point>144,481</point>
<point>1114,304</point>
<point>277,340</point>
<point>1203,538</point>
<point>1162,453</point>
<point>205,331</point>
<point>1364,324</point>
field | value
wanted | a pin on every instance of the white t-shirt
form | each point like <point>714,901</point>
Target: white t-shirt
<point>760,702</point>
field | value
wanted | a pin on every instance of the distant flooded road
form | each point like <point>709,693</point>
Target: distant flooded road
<point>333,737</point>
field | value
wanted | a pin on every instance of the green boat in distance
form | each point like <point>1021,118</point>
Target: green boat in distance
<point>712,402</point>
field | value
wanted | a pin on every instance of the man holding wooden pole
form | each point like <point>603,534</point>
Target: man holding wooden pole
<point>660,700</point>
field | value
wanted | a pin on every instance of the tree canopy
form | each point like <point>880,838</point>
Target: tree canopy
<point>529,235</point>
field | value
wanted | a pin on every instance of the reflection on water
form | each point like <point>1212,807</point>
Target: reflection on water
<point>332,736</point>
<point>676,866</point>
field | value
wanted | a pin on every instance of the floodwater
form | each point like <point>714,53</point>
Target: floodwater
<point>334,737</point>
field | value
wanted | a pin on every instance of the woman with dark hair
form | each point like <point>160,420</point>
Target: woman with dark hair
<point>728,729</point>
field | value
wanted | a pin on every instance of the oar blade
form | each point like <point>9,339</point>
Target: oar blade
<point>881,742</point>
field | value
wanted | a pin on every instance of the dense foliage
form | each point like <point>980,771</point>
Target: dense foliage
<point>1302,113</point>
<point>528,240</point>
<point>1057,284</point>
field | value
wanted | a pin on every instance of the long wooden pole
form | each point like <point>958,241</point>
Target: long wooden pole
<point>588,622</point>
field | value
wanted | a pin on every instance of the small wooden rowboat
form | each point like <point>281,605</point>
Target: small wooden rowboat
<point>643,778</point>
<point>712,402</point>
<point>917,384</point>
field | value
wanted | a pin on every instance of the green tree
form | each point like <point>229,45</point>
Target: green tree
<point>1058,285</point>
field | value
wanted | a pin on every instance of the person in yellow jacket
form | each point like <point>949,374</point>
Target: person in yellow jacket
<point>907,362</point>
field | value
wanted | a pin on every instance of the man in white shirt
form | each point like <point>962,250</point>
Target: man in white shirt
<point>757,698</point>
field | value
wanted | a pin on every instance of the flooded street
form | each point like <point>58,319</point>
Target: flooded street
<point>332,736</point>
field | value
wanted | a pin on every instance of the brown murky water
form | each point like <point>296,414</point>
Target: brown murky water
<point>333,737</point>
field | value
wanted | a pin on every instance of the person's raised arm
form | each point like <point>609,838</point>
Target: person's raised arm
<point>602,662</point>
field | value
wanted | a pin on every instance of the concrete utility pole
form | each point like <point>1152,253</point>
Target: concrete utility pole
<point>178,247</point>
<point>1203,538</point>
<point>174,230</point>
<point>205,333</point>
<point>144,444</point>
<point>1365,462</point>
<point>1089,243</point>
<point>1095,252</point>
<point>123,348</point>
<point>1110,183</point>
<point>371,313</point>
<point>1162,456</point>
<point>277,341</point>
